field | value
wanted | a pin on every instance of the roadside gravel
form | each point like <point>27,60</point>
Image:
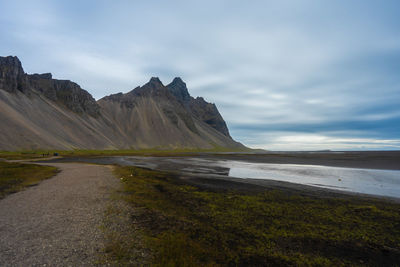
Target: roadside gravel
<point>58,222</point>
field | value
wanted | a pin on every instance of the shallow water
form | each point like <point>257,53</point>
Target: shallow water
<point>366,181</point>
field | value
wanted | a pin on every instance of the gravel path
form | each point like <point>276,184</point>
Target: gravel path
<point>57,223</point>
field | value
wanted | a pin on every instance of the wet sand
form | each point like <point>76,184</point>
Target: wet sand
<point>217,177</point>
<point>384,160</point>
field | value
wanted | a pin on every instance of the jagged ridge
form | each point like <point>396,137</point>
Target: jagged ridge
<point>13,79</point>
<point>38,111</point>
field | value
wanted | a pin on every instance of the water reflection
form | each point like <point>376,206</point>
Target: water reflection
<point>368,181</point>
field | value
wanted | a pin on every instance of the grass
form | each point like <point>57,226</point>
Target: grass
<point>16,176</point>
<point>17,155</point>
<point>186,225</point>
<point>11,155</point>
<point>147,152</point>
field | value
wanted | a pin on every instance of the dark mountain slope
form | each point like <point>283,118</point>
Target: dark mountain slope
<point>38,112</point>
<point>159,118</point>
<point>13,79</point>
<point>199,108</point>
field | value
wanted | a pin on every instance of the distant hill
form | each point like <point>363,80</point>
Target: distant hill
<point>39,112</point>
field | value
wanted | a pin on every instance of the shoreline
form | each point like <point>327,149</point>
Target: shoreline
<point>197,216</point>
<point>250,185</point>
<point>380,160</point>
<point>224,182</point>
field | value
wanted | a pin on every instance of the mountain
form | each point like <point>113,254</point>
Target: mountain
<point>39,112</point>
<point>199,108</point>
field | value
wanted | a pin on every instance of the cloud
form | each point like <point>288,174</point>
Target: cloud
<point>308,69</point>
<point>290,141</point>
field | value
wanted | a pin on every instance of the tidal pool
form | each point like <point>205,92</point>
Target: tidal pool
<point>366,181</point>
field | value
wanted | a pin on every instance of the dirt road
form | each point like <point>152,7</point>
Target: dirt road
<point>57,223</point>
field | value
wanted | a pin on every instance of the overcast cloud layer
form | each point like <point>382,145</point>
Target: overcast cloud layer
<point>285,75</point>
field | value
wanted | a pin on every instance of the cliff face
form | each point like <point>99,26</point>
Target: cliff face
<point>12,75</point>
<point>37,111</point>
<point>198,107</point>
<point>64,92</point>
<point>13,79</point>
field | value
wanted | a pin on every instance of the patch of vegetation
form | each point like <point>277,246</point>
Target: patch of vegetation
<point>16,176</point>
<point>16,155</point>
<point>124,241</point>
<point>186,225</point>
<point>154,152</point>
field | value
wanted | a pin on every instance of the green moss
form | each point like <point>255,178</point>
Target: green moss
<point>16,176</point>
<point>189,226</point>
<point>157,151</point>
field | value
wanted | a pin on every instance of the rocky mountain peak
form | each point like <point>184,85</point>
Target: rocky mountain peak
<point>12,62</point>
<point>13,79</point>
<point>12,75</point>
<point>56,113</point>
<point>178,88</point>
<point>201,109</point>
<point>178,80</point>
<point>155,82</point>
<point>208,112</point>
<point>174,98</point>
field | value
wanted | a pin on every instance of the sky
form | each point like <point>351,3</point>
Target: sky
<point>285,75</point>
